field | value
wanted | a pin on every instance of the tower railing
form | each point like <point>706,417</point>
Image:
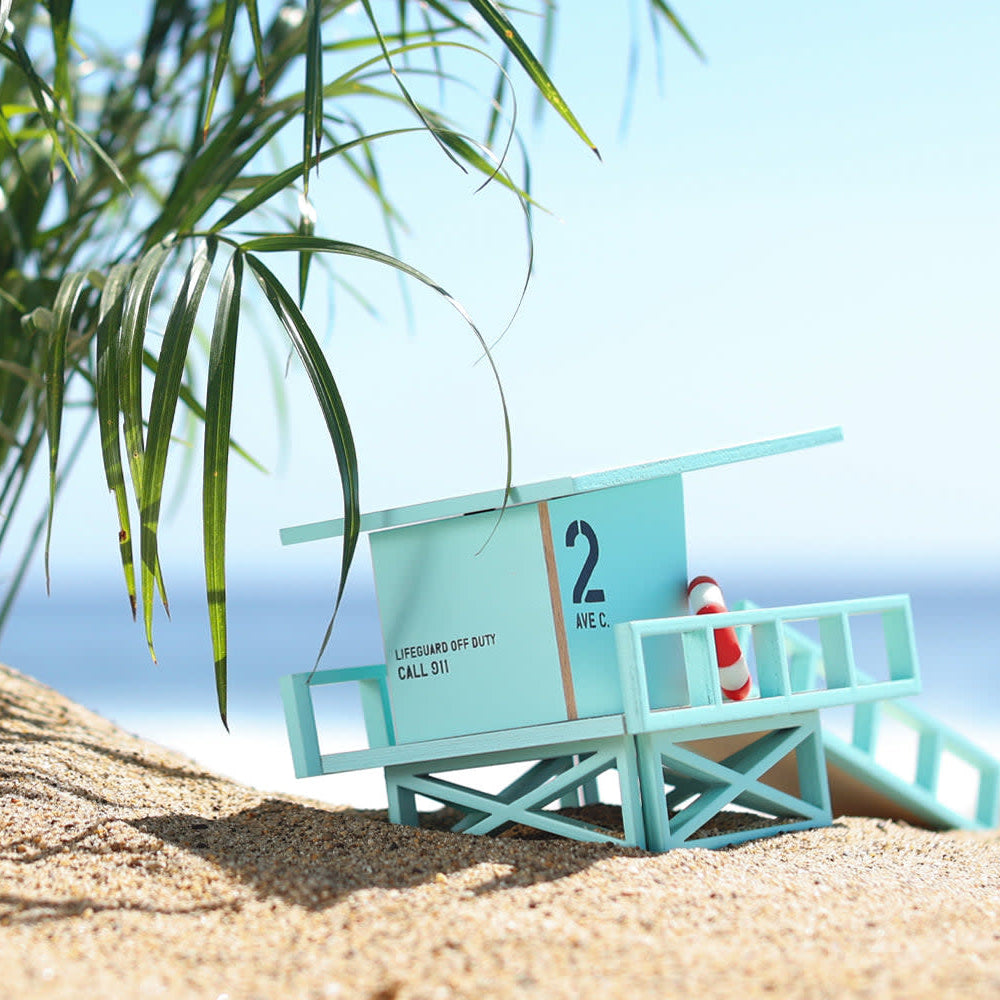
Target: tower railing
<point>782,686</point>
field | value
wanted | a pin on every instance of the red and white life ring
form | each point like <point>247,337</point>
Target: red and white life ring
<point>705,598</point>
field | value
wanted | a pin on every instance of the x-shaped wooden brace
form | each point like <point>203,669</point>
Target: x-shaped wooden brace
<point>733,780</point>
<point>524,800</point>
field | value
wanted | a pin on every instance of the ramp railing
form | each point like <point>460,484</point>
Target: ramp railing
<point>934,739</point>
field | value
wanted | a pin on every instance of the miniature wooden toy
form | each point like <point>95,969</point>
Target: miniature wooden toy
<point>558,638</point>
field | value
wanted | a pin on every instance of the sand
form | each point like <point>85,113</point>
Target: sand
<point>128,871</point>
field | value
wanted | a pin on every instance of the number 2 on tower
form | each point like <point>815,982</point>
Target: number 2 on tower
<point>581,595</point>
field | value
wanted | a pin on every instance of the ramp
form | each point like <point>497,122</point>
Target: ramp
<point>862,784</point>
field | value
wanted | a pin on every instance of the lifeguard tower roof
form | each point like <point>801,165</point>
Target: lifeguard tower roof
<point>552,489</point>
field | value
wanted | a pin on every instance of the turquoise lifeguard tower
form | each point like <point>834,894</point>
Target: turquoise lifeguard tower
<point>557,636</point>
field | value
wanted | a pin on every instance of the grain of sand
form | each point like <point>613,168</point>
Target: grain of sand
<point>128,871</point>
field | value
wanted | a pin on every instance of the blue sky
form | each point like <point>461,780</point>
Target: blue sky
<point>799,232</point>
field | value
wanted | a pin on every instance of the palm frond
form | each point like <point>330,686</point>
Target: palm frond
<point>162,406</point>
<point>312,108</point>
<point>332,407</point>
<point>414,105</point>
<point>662,9</point>
<point>133,327</point>
<point>55,382</point>
<point>253,15</point>
<point>166,161</point>
<point>218,419</point>
<point>41,93</point>
<point>502,27</point>
<point>221,59</point>
<point>276,244</point>
<point>112,308</point>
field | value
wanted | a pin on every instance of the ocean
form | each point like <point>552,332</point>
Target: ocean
<point>82,641</point>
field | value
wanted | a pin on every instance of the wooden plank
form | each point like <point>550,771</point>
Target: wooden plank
<point>301,724</point>
<point>566,486</point>
<point>434,510</point>
<point>558,619</point>
<point>708,459</point>
<point>765,708</point>
<point>570,734</point>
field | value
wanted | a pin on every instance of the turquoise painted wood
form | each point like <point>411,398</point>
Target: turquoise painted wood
<point>472,628</point>
<point>467,628</point>
<point>466,746</point>
<point>555,770</point>
<point>494,621</point>
<point>704,702</point>
<point>566,486</point>
<point>620,555</point>
<point>300,713</point>
<point>699,787</point>
<point>672,793</point>
<point>918,792</point>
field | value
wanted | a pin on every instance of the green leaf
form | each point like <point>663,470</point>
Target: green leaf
<point>547,48</point>
<point>509,36</point>
<point>258,43</point>
<point>131,357</point>
<point>112,306</point>
<point>401,17</point>
<point>218,419</point>
<point>100,154</point>
<point>332,407</point>
<point>11,143</point>
<point>306,227</point>
<point>435,51</point>
<point>221,59</point>
<point>496,103</point>
<point>312,110</point>
<point>661,8</point>
<point>40,91</point>
<point>443,10</point>
<point>209,175</point>
<point>317,244</point>
<point>271,185</point>
<point>55,385</point>
<point>165,14</point>
<point>133,330</point>
<point>189,399</point>
<point>414,106</point>
<point>162,406</point>
<point>60,14</point>
<point>473,154</point>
